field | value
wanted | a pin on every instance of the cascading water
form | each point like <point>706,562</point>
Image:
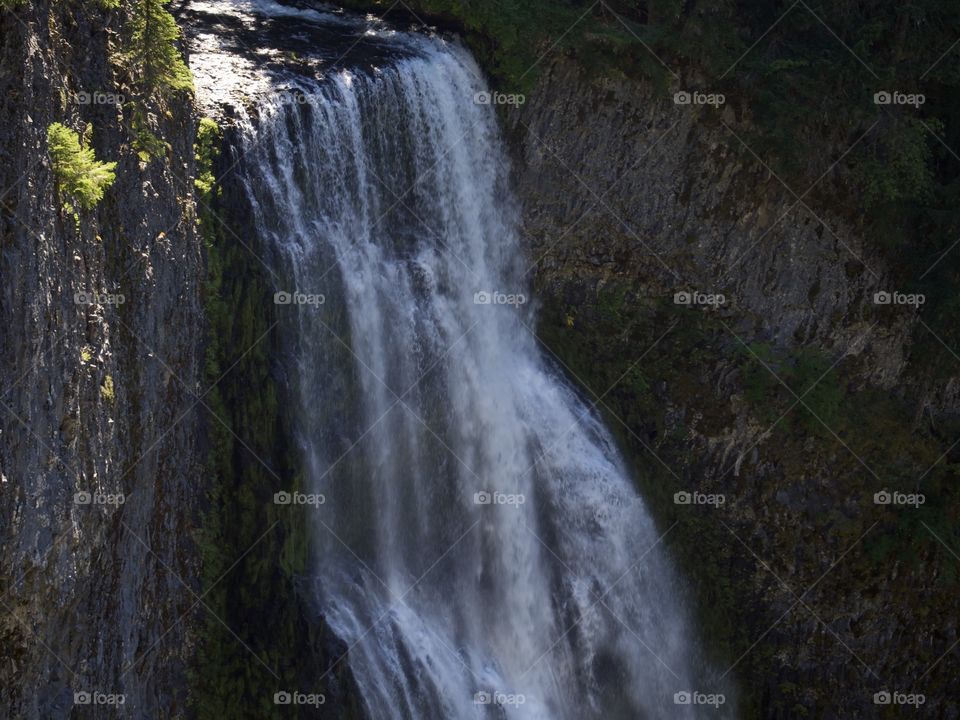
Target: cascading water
<point>480,549</point>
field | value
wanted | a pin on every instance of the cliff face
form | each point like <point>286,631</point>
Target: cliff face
<point>621,182</point>
<point>97,395</point>
<point>793,398</point>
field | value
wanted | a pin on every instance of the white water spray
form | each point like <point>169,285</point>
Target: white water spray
<point>480,549</point>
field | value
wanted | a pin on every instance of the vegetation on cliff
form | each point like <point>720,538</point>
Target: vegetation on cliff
<point>78,172</point>
<point>155,59</point>
<point>150,72</point>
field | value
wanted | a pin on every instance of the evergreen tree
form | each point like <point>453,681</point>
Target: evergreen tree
<point>156,55</point>
<point>76,168</point>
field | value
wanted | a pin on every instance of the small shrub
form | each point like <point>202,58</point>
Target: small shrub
<point>107,391</point>
<point>78,172</point>
<point>147,144</point>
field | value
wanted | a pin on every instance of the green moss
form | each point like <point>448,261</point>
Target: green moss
<point>805,379</point>
<point>253,551</point>
<point>205,150</point>
<point>146,143</point>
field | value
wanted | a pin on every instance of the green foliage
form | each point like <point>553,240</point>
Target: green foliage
<point>898,167</point>
<point>869,426</point>
<point>78,172</point>
<point>156,69</point>
<point>205,149</point>
<point>145,142</point>
<point>758,382</point>
<point>803,379</point>
<point>107,391</point>
<point>813,380</point>
<point>154,54</point>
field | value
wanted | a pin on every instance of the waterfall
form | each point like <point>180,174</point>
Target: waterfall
<point>479,546</point>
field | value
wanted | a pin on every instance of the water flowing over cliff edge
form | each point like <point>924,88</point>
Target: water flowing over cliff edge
<point>478,545</point>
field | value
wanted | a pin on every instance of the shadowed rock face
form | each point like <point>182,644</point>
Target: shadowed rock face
<point>95,396</point>
<point>621,182</point>
<point>628,200</point>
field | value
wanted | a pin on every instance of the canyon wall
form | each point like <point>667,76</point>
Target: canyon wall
<point>726,326</point>
<point>102,337</point>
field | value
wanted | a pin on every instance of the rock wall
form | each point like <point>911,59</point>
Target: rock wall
<point>97,396</point>
<point>623,182</point>
<point>811,594</point>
